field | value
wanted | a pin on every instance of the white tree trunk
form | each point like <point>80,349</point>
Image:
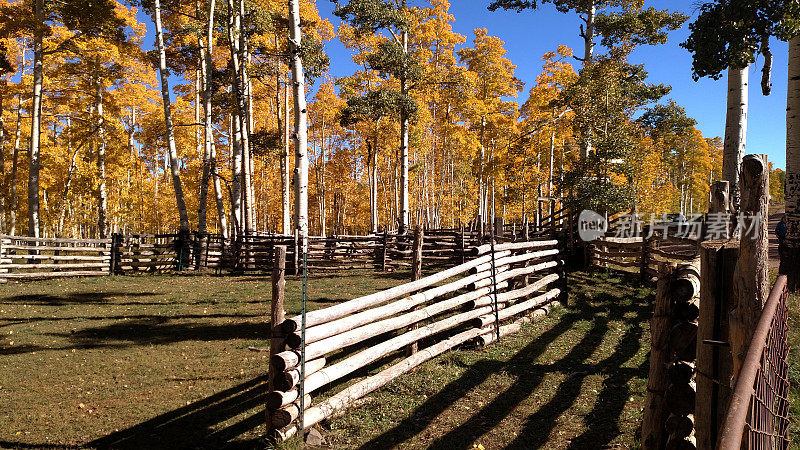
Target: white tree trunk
<point>102,197</point>
<point>173,151</point>
<point>285,178</point>
<point>12,182</point>
<point>218,197</point>
<point>36,122</point>
<point>404,194</point>
<point>789,261</point>
<point>300,122</point>
<point>236,173</point>
<point>735,129</point>
<point>373,185</point>
<point>207,77</point>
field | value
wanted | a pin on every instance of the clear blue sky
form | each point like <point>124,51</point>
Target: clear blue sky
<point>530,34</point>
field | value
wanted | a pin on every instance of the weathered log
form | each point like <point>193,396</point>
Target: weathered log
<point>679,399</point>
<point>518,308</point>
<point>359,304</point>
<point>486,248</point>
<point>686,285</point>
<point>349,323</point>
<point>513,273</point>
<point>369,355</point>
<point>680,372</point>
<point>679,427</point>
<point>286,381</point>
<point>515,259</point>
<point>751,283</point>
<point>657,382</point>
<point>277,313</point>
<point>527,290</point>
<point>714,364</point>
<point>688,311</point>
<point>360,334</point>
<point>289,413</point>
<point>317,413</point>
<point>490,335</point>
<point>683,341</point>
<point>687,443</point>
<point>490,331</point>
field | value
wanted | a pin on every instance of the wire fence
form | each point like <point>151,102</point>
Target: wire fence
<point>759,409</point>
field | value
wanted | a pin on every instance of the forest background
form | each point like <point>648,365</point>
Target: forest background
<point>490,128</point>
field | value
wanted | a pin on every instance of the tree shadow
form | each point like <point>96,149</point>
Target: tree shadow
<point>157,330</point>
<point>195,425</point>
<point>77,298</point>
<point>599,310</point>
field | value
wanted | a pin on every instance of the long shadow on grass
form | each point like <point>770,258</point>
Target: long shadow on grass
<point>158,331</point>
<point>195,425</point>
<point>74,298</point>
<point>530,375</point>
<point>601,422</point>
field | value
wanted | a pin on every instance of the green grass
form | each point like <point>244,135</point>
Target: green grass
<point>156,360</point>
<point>162,361</point>
<point>575,379</point>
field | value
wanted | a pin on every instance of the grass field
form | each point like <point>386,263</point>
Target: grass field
<point>162,362</point>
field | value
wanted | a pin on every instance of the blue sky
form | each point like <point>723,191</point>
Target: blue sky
<point>530,34</point>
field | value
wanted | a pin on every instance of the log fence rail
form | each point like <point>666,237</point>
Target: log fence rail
<point>436,312</point>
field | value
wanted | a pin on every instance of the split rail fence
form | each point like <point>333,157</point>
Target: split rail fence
<point>491,293</point>
<point>25,258</point>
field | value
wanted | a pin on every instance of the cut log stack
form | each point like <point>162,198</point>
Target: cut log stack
<point>681,393</point>
<point>671,390</point>
<point>437,312</point>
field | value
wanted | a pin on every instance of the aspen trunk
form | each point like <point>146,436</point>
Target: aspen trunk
<point>12,219</point>
<point>236,174</point>
<point>373,184</point>
<point>218,197</point>
<point>207,83</point>
<point>68,183</point>
<point>300,122</point>
<point>790,255</point>
<point>285,178</point>
<point>735,130</point>
<point>173,151</point>
<point>36,121</point>
<point>246,117</point>
<point>588,57</point>
<point>404,195</point>
<point>102,198</point>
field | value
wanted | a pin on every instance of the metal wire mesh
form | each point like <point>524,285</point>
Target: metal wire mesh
<point>767,425</point>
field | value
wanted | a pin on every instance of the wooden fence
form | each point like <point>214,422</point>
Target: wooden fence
<point>440,311</point>
<point>25,258</point>
<point>639,255</point>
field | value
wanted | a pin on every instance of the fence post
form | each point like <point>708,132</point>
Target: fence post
<point>751,278</point>
<point>113,254</point>
<point>655,414</point>
<point>643,266</point>
<point>714,365</point>
<point>277,315</point>
<point>416,274</point>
